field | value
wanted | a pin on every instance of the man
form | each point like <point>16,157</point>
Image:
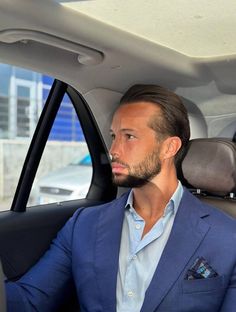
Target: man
<point>157,248</point>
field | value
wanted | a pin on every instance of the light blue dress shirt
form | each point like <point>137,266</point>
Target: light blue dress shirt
<point>139,256</point>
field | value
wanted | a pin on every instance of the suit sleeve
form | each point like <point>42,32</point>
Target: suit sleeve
<point>45,285</point>
<point>229,302</point>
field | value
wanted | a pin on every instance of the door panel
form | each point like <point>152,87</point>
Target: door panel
<point>25,236</point>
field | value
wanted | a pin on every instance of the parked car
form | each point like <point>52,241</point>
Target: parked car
<point>67,183</point>
<point>95,52</point>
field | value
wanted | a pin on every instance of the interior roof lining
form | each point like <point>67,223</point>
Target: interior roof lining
<point>200,28</point>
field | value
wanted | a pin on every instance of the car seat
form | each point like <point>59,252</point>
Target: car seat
<point>209,171</point>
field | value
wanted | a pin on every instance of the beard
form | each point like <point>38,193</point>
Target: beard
<point>141,174</point>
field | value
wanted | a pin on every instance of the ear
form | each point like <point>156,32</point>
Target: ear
<point>171,146</point>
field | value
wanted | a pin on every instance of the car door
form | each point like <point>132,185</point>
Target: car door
<point>26,231</point>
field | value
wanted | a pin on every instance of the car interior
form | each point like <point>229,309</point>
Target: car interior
<point>94,60</point>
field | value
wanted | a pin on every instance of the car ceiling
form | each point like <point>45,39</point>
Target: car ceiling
<point>197,28</point>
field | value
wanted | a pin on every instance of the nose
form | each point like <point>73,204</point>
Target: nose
<point>115,149</point>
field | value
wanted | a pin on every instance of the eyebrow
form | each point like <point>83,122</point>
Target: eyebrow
<point>124,130</point>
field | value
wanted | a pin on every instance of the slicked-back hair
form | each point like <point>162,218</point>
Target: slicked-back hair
<point>174,117</point>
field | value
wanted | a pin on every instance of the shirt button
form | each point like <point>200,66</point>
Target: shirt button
<point>138,226</point>
<point>134,257</point>
<point>130,293</point>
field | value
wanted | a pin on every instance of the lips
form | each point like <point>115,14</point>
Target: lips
<point>117,168</point>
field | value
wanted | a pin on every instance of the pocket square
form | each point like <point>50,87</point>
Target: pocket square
<point>200,269</point>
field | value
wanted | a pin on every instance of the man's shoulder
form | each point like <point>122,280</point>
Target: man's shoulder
<point>211,213</point>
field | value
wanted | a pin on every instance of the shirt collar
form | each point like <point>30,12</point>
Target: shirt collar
<point>173,203</point>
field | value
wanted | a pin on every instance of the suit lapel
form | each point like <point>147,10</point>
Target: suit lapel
<point>107,248</point>
<point>187,233</point>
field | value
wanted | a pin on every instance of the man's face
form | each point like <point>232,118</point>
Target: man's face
<point>135,150</point>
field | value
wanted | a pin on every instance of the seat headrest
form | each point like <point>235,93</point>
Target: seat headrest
<point>210,166</point>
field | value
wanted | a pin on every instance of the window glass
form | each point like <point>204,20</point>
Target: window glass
<point>22,73</point>
<point>18,107</point>
<point>23,112</point>
<point>4,115</point>
<point>65,170</point>
<point>22,97</point>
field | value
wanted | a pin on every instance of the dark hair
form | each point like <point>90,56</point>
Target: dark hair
<point>174,120</point>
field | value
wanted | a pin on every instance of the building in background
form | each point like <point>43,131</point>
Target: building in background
<point>22,96</point>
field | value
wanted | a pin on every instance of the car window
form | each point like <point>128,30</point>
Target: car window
<point>86,161</point>
<point>20,107</point>
<point>22,97</point>
<point>65,169</point>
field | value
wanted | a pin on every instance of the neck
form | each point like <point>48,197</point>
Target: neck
<point>151,199</point>
<point>150,202</point>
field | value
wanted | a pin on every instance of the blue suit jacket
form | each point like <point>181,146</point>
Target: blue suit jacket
<point>87,249</point>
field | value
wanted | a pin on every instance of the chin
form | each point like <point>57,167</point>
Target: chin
<point>129,181</point>
<point>119,181</point>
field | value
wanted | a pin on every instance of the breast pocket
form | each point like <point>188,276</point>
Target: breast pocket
<point>203,285</point>
<point>203,295</point>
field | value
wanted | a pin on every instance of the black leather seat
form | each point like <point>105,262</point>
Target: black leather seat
<point>209,171</point>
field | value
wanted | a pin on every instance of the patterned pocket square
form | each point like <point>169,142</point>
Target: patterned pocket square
<point>200,269</point>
